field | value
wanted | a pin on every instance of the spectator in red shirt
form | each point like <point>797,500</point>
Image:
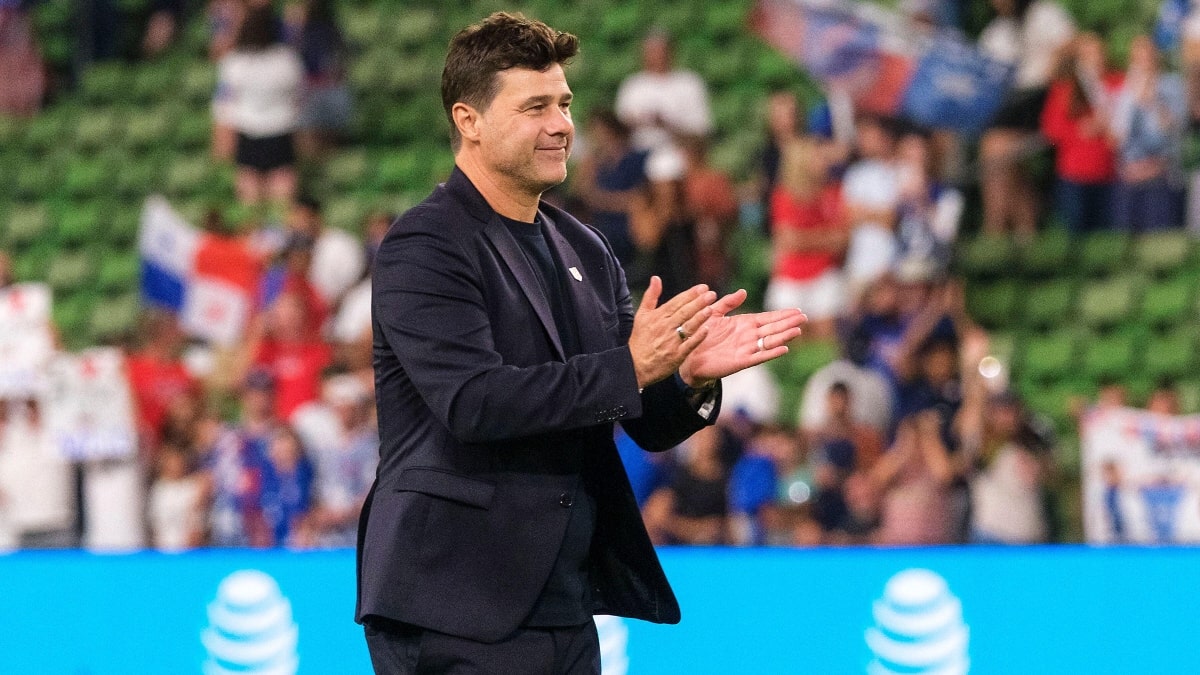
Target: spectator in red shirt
<point>157,375</point>
<point>286,345</point>
<point>1076,120</point>
<point>809,235</point>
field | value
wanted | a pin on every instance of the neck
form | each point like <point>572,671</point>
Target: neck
<point>505,198</point>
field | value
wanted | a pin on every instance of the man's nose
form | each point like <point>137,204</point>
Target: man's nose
<point>559,123</point>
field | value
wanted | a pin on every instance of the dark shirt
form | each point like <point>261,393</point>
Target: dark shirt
<point>566,598</point>
<point>626,173</point>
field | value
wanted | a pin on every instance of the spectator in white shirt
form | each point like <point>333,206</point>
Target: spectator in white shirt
<point>174,509</point>
<point>258,94</point>
<point>662,101</point>
<point>338,257</point>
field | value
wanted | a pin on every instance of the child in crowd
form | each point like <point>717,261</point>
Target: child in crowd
<point>174,512</point>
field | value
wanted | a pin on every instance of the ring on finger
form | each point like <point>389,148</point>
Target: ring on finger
<point>682,335</point>
<point>760,344</point>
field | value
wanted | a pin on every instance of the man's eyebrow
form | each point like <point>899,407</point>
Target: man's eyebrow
<point>545,99</point>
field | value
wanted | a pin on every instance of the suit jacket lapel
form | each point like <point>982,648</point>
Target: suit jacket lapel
<point>518,264</point>
<point>589,325</point>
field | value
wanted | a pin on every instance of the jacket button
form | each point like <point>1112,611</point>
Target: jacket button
<point>565,500</point>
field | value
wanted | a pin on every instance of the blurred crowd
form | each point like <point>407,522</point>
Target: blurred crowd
<point>903,439</point>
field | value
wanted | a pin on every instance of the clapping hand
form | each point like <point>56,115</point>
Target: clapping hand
<point>737,342</point>
<point>663,336</point>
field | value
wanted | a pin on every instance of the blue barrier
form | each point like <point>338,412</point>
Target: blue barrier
<point>1061,610</point>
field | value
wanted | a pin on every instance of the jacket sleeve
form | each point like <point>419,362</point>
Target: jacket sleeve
<point>432,312</point>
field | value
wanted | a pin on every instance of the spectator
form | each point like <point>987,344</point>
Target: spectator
<point>343,444</point>
<point>174,510</point>
<point>1031,35</point>
<point>929,211</point>
<point>662,101</point>
<point>1164,400</point>
<point>338,257</point>
<point>871,191</point>
<point>327,107</point>
<point>751,395</point>
<point>259,85</point>
<point>232,459</point>
<point>662,232</point>
<point>157,375</point>
<point>1076,121</point>
<point>647,471</point>
<point>915,477</point>
<point>783,128</point>
<point>291,275</point>
<point>162,26</point>
<point>1009,480</point>
<point>809,235</point>
<point>692,508</point>
<point>287,480</point>
<point>608,178</point>
<point>712,206</point>
<point>870,392</point>
<point>1149,123</point>
<point>845,435</point>
<point>285,344</point>
<point>37,486</point>
<point>24,73</point>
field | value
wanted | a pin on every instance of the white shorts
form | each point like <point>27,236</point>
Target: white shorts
<point>823,297</point>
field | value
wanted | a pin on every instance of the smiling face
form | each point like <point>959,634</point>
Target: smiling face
<point>524,136</point>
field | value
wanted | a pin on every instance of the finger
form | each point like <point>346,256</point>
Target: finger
<point>688,346</point>
<point>692,325</point>
<point>691,309</point>
<point>766,355</point>
<point>762,319</point>
<point>772,340</point>
<point>652,294</point>
<point>786,323</point>
<point>729,302</point>
<point>690,295</point>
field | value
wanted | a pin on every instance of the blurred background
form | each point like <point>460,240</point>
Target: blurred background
<point>987,208</point>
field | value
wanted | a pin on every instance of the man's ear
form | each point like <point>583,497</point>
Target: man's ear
<point>466,119</point>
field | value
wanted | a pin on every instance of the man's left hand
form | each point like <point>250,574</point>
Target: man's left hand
<point>738,342</point>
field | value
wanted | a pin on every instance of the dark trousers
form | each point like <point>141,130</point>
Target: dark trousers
<point>403,649</point>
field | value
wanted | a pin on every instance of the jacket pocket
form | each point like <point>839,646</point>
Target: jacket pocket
<point>447,485</point>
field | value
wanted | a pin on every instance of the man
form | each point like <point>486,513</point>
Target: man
<point>505,347</point>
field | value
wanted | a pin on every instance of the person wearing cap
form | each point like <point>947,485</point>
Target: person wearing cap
<point>506,347</point>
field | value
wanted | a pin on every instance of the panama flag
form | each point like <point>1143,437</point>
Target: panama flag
<point>190,273</point>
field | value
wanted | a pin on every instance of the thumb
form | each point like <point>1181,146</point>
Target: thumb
<point>652,294</point>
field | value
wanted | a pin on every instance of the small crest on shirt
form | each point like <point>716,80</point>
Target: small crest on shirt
<point>575,273</point>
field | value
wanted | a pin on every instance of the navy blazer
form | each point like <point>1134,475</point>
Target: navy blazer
<point>476,399</point>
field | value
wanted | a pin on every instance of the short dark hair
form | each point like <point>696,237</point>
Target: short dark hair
<point>497,43</point>
<point>259,29</point>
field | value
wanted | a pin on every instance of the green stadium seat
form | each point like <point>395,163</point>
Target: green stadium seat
<point>98,129</point>
<point>347,170</point>
<point>1189,395</point>
<point>1055,401</point>
<point>193,131</point>
<point>35,180</point>
<point>70,314</point>
<point>1172,355</point>
<point>151,128</point>
<point>71,271</point>
<point>1166,303</point>
<point>986,256</point>
<point>46,131</point>
<point>119,271</point>
<point>153,82</point>
<point>121,229</point>
<point>104,83</point>
<point>1161,252</point>
<point>189,176</point>
<point>136,179</point>
<point>1109,356</point>
<point>346,213</point>
<point>27,225</point>
<point>80,223</point>
<point>114,318</point>
<point>1106,303</point>
<point>86,177</point>
<point>414,30</point>
<point>1050,357</point>
<point>198,82</point>
<point>363,26</point>
<point>993,304</point>
<point>31,264</point>
<point>1103,253</point>
<point>621,26</point>
<point>1048,303</point>
<point>1047,255</point>
<point>398,171</point>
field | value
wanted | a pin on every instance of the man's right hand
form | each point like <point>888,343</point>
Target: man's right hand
<point>656,344</point>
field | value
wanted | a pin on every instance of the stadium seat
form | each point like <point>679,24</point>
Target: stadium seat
<point>1056,401</point>
<point>189,176</point>
<point>85,177</point>
<point>1109,356</point>
<point>1189,395</point>
<point>1167,302</point>
<point>150,128</point>
<point>1050,357</point>
<point>26,224</point>
<point>1102,253</point>
<point>198,83</point>
<point>119,271</point>
<point>98,129</point>
<point>70,271</point>
<point>1047,255</point>
<point>1048,303</point>
<point>193,131</point>
<point>1160,252</point>
<point>993,304</point>
<point>152,82</point>
<point>986,256</point>
<point>121,227</point>
<point>35,180</point>
<point>79,223</point>
<point>70,312</point>
<point>114,318</point>
<point>104,83</point>
<point>1172,355</point>
<point>1106,303</point>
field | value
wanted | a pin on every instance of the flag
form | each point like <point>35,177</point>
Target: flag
<point>207,280</point>
<point>872,55</point>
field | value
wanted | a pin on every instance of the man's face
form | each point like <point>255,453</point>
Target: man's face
<point>526,132</point>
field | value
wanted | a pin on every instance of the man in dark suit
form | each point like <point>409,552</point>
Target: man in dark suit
<point>506,345</point>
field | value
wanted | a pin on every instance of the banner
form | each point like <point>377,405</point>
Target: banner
<point>201,277</point>
<point>89,408</point>
<point>937,79</point>
<point>1141,477</point>
<point>26,340</point>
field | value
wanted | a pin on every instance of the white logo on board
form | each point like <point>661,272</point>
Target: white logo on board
<point>919,628</point>
<point>250,630</point>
